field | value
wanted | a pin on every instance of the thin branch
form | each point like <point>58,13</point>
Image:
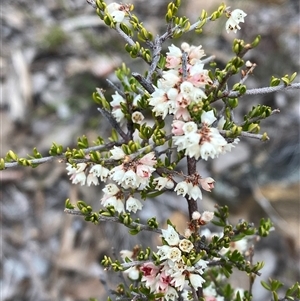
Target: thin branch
<point>275,111</point>
<point>113,123</point>
<point>265,90</point>
<point>144,82</point>
<point>155,58</point>
<point>246,134</point>
<point>114,219</point>
<point>63,157</point>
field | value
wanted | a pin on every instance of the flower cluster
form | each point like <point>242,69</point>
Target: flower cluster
<point>191,187</point>
<point>204,142</point>
<point>83,174</point>
<point>236,16</point>
<point>113,196</point>
<point>132,173</point>
<point>175,92</point>
<point>173,274</point>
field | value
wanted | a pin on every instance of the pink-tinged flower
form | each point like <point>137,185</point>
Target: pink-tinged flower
<point>144,171</point>
<point>170,236</point>
<point>149,271</point>
<point>172,62</point>
<point>182,100</point>
<point>148,159</point>
<point>117,153</point>
<point>177,127</point>
<point>196,280</point>
<point>163,282</point>
<point>206,217</point>
<point>133,204</point>
<point>199,80</point>
<point>207,183</point>
<point>182,113</point>
<point>195,54</point>
<point>186,245</point>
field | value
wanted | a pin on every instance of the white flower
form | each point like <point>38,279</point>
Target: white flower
<point>196,280</point>
<point>117,173</point>
<point>119,116</point>
<point>196,215</point>
<point>115,202</point>
<point>162,182</point>
<point>189,127</point>
<point>163,252</point>
<point>71,169</point>
<point>236,17</point>
<point>174,51</point>
<point>207,216</point>
<point>91,179</point>
<point>133,204</point>
<point>174,254</point>
<point>130,179</point>
<point>182,188</point>
<point>114,9</point>
<point>194,192</point>
<point>137,117</point>
<point>126,253</point>
<point>170,236</point>
<point>117,153</point>
<point>186,245</point>
<point>133,273</point>
<point>79,178</point>
<point>111,189</point>
<point>171,294</point>
<point>208,117</point>
<point>99,171</point>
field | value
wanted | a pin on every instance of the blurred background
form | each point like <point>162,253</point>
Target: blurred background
<point>53,55</point>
